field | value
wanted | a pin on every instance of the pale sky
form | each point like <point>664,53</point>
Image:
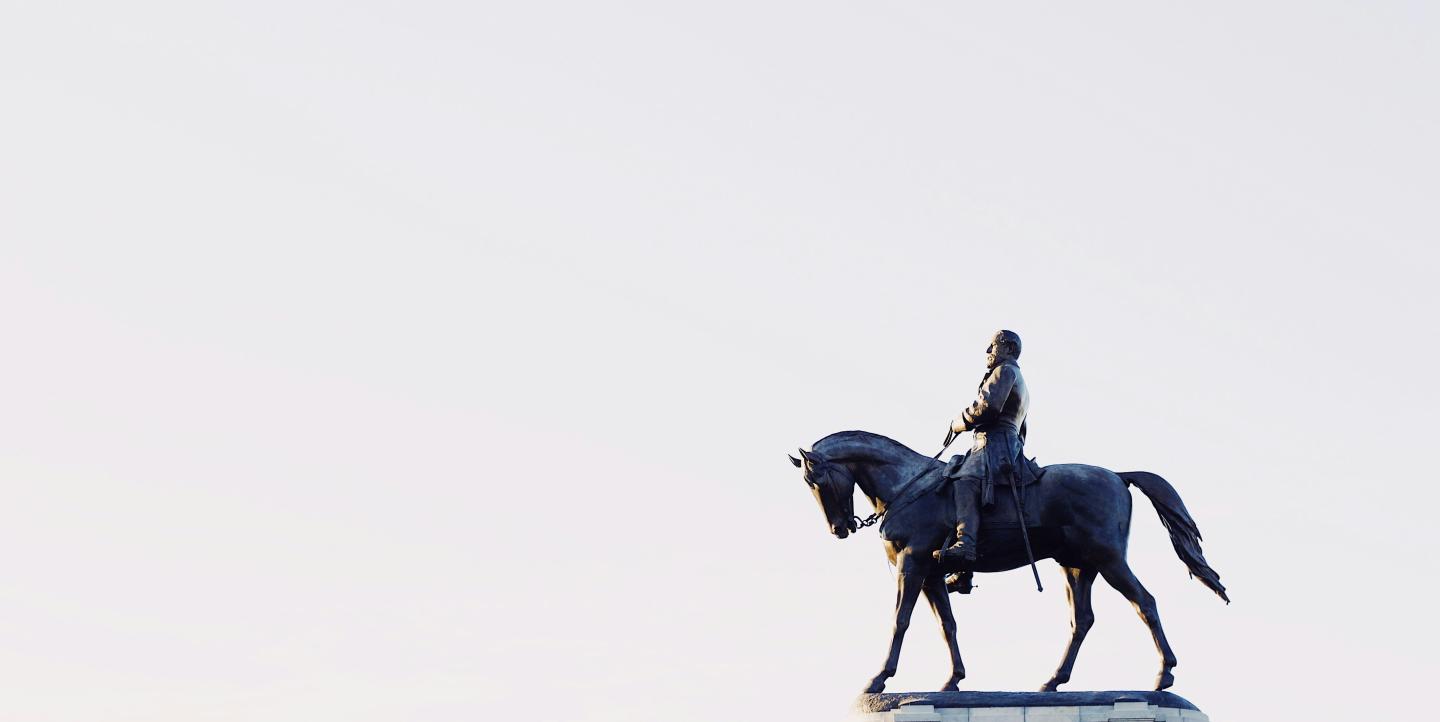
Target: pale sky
<point>438,361</point>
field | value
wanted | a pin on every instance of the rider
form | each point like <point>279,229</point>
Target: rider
<point>998,419</point>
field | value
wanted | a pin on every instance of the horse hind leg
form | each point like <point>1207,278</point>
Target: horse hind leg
<point>1119,576</point>
<point>1082,617</point>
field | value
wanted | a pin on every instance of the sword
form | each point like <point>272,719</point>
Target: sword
<point>1020,511</point>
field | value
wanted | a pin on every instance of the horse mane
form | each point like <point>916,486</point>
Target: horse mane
<point>851,441</point>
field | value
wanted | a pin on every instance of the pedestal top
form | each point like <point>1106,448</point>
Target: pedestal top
<point>886,702</point>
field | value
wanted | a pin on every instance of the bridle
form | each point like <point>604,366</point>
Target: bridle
<point>909,492</point>
<point>849,501</point>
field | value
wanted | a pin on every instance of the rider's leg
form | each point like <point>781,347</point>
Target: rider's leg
<point>967,525</point>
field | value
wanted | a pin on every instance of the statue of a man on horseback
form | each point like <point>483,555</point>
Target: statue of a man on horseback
<point>1075,514</point>
<point>997,416</point>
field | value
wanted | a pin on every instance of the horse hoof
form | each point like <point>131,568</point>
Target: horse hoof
<point>1049,686</point>
<point>876,687</point>
<point>952,687</point>
<point>1164,681</point>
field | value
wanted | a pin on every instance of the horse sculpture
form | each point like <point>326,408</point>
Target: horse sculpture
<point>1082,522</point>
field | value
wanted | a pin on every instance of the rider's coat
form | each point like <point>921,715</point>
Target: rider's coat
<point>997,417</point>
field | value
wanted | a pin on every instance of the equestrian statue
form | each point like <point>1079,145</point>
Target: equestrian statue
<point>932,515</point>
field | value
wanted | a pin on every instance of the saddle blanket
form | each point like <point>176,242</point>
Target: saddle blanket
<point>1003,515</point>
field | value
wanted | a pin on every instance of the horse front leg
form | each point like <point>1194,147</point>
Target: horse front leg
<point>1082,617</point>
<point>908,586</point>
<point>939,598</point>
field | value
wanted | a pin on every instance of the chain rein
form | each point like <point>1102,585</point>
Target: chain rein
<point>875,518</point>
<point>867,521</point>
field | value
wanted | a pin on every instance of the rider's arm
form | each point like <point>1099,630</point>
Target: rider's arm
<point>991,399</point>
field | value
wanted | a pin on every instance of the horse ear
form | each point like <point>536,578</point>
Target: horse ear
<point>808,456</point>
<point>795,461</point>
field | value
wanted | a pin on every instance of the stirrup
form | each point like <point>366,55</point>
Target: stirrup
<point>960,583</point>
<point>958,554</point>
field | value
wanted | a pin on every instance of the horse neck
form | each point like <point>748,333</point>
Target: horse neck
<point>880,466</point>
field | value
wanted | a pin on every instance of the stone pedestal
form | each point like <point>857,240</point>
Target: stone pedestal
<point>1026,707</point>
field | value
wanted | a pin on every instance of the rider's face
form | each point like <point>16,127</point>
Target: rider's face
<point>990,355</point>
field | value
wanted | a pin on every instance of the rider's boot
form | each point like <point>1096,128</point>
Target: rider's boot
<point>962,554</point>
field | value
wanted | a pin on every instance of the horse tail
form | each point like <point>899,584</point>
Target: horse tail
<point>1176,518</point>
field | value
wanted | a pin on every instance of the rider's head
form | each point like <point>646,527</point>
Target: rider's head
<point>1004,346</point>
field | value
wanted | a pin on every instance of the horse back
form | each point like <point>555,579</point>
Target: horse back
<point>1055,489</point>
<point>1072,507</point>
<point>1080,488</point>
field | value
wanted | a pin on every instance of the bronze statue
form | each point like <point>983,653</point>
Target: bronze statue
<point>1076,514</point>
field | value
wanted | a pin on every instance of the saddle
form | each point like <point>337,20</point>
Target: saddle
<point>1024,471</point>
<point>1027,472</point>
<point>999,514</point>
<point>1002,514</point>
<point>998,511</point>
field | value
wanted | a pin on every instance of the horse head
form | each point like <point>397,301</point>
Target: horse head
<point>833,488</point>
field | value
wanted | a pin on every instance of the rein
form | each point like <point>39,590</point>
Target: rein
<point>869,520</point>
<point>910,492</point>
